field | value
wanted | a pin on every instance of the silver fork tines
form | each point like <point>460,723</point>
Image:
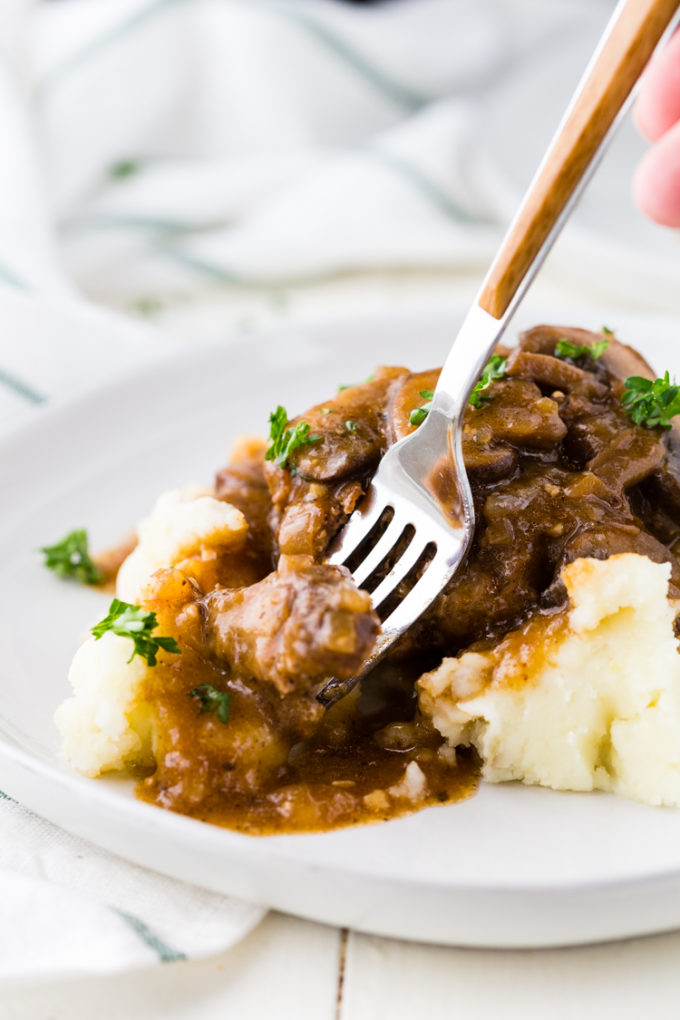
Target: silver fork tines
<point>418,567</point>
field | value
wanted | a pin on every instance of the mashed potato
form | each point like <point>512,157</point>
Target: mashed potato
<point>181,525</point>
<point>106,725</point>
<point>588,702</point>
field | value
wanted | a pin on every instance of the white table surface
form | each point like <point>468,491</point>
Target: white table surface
<point>292,968</point>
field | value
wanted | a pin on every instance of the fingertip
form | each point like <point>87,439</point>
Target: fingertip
<point>656,182</point>
<point>658,105</point>
<point>643,190</point>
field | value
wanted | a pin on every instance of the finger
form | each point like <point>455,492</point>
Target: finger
<point>658,105</point>
<point>656,184</point>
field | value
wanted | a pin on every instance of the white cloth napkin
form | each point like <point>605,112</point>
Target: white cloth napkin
<point>185,142</point>
<point>71,909</point>
<point>156,148</point>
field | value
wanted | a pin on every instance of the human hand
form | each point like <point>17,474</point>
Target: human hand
<point>656,185</point>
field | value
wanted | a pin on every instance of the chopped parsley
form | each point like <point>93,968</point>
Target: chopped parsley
<point>137,624</point>
<point>212,700</point>
<point>71,558</point>
<point>349,386</point>
<point>123,168</point>
<point>284,441</point>
<point>607,331</point>
<point>351,426</point>
<point>651,402</point>
<point>565,349</point>
<point>419,414</point>
<point>494,369</point>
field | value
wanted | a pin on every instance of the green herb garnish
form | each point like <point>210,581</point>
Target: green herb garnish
<point>71,558</point>
<point>137,624</point>
<point>349,386</point>
<point>351,426</point>
<point>607,331</point>
<point>565,349</point>
<point>651,402</point>
<point>123,168</point>
<point>284,441</point>
<point>494,369</point>
<point>419,414</point>
<point>212,700</point>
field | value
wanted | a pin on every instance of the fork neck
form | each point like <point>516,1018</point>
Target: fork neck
<point>475,341</point>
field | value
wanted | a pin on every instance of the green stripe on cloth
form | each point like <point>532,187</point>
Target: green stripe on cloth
<point>7,275</point>
<point>399,93</point>
<point>424,184</point>
<point>165,953</point>
<point>155,224</point>
<point>102,42</point>
<point>123,221</point>
<point>383,82</point>
<point>21,388</point>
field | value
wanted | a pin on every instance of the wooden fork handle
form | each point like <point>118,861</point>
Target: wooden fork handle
<point>634,32</point>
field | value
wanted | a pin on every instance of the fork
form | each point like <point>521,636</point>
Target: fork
<point>400,541</point>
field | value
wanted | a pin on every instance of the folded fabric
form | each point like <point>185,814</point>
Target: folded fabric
<point>188,142</point>
<point>69,908</point>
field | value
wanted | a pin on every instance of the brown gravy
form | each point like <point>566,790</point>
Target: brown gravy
<point>243,776</point>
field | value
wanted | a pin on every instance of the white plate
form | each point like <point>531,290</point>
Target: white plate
<point>608,244</point>
<point>512,866</point>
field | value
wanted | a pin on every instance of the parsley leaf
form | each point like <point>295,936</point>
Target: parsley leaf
<point>137,624</point>
<point>565,349</point>
<point>494,369</point>
<point>349,386</point>
<point>419,414</point>
<point>212,700</point>
<point>284,441</point>
<point>71,558</point>
<point>607,331</point>
<point>351,426</point>
<point>123,168</point>
<point>651,402</point>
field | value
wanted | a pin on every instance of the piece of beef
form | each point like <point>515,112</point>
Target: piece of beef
<point>242,483</point>
<point>314,494</point>
<point>293,628</point>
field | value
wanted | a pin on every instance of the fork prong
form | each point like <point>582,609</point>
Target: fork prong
<point>380,550</point>
<point>420,597</point>
<point>364,518</point>
<point>399,571</point>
